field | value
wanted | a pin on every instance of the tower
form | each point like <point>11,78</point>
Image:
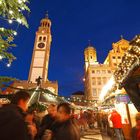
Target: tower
<point>41,52</point>
<point>40,61</point>
<point>90,56</point>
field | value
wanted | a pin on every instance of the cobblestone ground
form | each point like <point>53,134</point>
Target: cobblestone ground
<point>93,134</point>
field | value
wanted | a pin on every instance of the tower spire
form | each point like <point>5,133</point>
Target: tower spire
<point>46,15</point>
<point>121,36</point>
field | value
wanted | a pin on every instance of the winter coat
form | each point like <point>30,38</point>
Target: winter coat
<point>67,130</point>
<point>116,119</point>
<point>12,124</point>
<point>46,123</point>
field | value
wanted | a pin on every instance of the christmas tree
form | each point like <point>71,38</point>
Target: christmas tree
<point>11,11</point>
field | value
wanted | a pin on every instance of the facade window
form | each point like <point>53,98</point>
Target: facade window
<point>109,71</point>
<point>113,57</point>
<point>93,81</point>
<point>93,71</point>
<point>98,71</point>
<point>99,91</point>
<point>94,92</point>
<point>99,80</point>
<point>119,57</point>
<point>40,38</point>
<point>115,64</point>
<point>104,80</point>
<point>103,71</point>
<point>44,39</point>
<point>91,57</point>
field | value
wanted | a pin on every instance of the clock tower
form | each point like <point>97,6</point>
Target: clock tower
<point>41,52</point>
<point>38,74</point>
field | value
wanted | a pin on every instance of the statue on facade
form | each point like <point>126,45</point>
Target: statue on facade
<point>38,80</point>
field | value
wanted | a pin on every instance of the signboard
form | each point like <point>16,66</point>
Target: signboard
<point>123,98</point>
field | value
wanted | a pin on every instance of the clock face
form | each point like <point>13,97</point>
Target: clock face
<point>41,45</point>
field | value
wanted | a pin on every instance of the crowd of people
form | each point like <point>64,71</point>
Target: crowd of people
<point>60,123</point>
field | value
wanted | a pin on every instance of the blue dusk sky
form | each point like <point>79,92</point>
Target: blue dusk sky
<point>74,22</point>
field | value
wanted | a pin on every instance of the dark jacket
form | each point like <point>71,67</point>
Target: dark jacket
<point>12,124</point>
<point>46,123</point>
<point>67,130</point>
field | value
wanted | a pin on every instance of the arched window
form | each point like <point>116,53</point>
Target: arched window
<point>44,38</point>
<point>40,38</point>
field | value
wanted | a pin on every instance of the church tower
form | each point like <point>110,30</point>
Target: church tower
<point>90,56</point>
<point>41,52</point>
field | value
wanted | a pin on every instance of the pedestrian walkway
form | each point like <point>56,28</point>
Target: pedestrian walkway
<point>93,134</point>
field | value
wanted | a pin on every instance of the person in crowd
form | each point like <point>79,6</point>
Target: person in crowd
<point>135,132</point>
<point>12,118</point>
<point>32,129</point>
<point>65,128</point>
<point>48,119</point>
<point>117,124</point>
<point>82,121</point>
<point>110,130</point>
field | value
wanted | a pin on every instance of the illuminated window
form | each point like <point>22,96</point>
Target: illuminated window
<point>99,80</point>
<point>93,81</point>
<point>104,80</point>
<point>98,71</point>
<point>104,71</point>
<point>94,92</point>
<point>99,91</point>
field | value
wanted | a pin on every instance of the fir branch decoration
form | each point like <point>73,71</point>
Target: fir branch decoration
<point>11,11</point>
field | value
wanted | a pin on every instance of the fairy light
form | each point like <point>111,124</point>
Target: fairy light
<point>23,8</point>
<point>11,12</point>
<point>2,29</point>
<point>9,64</point>
<point>10,21</point>
<point>1,57</point>
<point>19,20</point>
<point>19,1</point>
<point>15,33</point>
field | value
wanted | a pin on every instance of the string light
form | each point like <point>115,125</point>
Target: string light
<point>2,29</point>
<point>10,12</point>
<point>19,20</point>
<point>15,33</point>
<point>23,8</point>
<point>9,64</point>
<point>19,1</point>
<point>1,57</point>
<point>10,21</point>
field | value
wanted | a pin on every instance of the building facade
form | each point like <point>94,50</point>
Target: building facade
<point>96,74</point>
